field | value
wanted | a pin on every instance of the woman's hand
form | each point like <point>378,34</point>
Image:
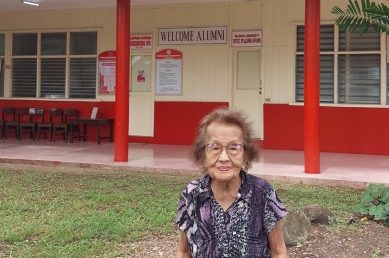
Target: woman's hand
<point>276,241</point>
<point>183,250</point>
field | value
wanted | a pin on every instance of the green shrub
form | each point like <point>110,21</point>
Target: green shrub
<point>375,202</point>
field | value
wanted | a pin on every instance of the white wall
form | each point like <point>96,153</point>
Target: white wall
<point>280,18</point>
<point>207,69</point>
<point>101,19</point>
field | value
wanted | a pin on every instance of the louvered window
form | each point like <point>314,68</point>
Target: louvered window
<point>366,41</point>
<point>83,69</point>
<point>359,79</point>
<point>326,38</point>
<point>82,77</point>
<point>326,78</point>
<point>24,77</point>
<point>326,64</point>
<point>357,58</point>
<point>53,65</point>
<point>53,77</point>
<point>359,74</point>
<point>2,45</point>
<point>24,64</point>
<point>2,62</point>
<point>49,63</point>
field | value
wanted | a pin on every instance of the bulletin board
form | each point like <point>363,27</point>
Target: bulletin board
<point>141,73</point>
<point>168,72</point>
<point>107,72</point>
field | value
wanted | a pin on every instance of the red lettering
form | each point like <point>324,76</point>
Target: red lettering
<point>137,43</point>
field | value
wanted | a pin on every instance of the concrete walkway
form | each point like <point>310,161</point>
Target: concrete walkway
<point>336,169</point>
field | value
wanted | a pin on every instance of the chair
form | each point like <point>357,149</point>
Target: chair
<point>65,127</point>
<point>8,121</point>
<point>56,116</point>
<point>29,121</point>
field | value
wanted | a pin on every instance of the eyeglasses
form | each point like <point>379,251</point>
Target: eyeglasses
<point>215,149</point>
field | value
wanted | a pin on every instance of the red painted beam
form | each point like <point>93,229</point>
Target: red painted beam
<point>312,86</point>
<point>122,80</point>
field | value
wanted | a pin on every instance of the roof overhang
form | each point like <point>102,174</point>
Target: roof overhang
<point>17,5</point>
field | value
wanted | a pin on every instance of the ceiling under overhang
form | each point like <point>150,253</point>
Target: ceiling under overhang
<point>17,5</point>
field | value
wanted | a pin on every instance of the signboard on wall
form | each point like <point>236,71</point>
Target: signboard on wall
<point>250,38</point>
<point>107,72</point>
<point>169,72</point>
<point>141,41</point>
<point>189,35</point>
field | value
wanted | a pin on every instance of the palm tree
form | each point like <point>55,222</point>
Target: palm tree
<point>361,15</point>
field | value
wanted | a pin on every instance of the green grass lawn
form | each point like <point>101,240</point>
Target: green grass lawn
<point>56,214</point>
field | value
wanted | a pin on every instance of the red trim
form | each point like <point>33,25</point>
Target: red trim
<point>105,109</point>
<point>342,129</point>
<point>176,122</point>
<point>140,139</point>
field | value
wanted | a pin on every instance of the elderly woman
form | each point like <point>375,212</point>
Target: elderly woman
<point>228,213</point>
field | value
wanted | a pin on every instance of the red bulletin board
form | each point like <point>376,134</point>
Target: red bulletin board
<point>107,72</point>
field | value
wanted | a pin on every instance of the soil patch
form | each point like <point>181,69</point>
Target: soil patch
<point>370,240</point>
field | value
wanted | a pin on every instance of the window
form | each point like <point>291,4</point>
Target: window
<point>24,64</point>
<point>24,77</point>
<point>82,77</point>
<point>359,79</point>
<point>326,64</point>
<point>51,62</point>
<point>53,77</point>
<point>355,62</point>
<point>83,43</point>
<point>83,70</point>
<point>2,45</point>
<point>53,65</point>
<point>2,53</point>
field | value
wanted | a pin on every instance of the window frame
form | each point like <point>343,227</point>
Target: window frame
<point>384,87</point>
<point>2,67</point>
<point>67,56</point>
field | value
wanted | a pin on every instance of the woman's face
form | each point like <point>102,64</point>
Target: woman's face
<point>224,154</point>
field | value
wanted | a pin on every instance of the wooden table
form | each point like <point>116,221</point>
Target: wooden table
<point>98,122</point>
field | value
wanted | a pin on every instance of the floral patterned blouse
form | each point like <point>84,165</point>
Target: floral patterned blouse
<point>241,231</point>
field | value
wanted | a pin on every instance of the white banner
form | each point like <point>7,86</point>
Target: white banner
<point>200,35</point>
<point>141,41</point>
<point>251,38</point>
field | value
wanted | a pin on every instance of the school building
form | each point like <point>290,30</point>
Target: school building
<point>190,57</point>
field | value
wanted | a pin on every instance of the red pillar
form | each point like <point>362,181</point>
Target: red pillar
<point>122,81</point>
<point>312,86</point>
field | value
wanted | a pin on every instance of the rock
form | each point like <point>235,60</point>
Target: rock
<point>296,228</point>
<point>318,214</point>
